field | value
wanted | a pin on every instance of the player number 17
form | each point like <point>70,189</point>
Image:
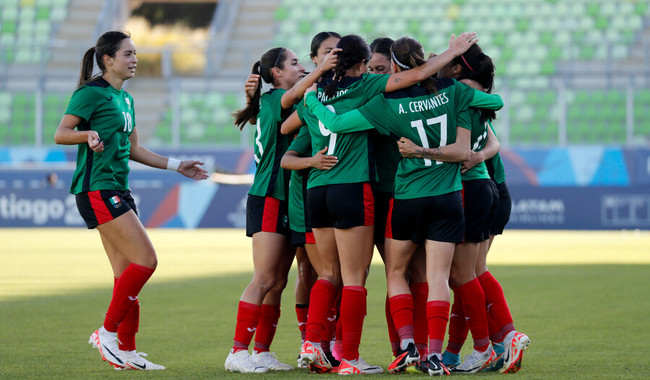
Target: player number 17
<point>419,126</point>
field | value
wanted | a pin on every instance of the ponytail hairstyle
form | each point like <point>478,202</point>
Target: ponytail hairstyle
<point>317,41</point>
<point>477,66</point>
<point>272,58</point>
<point>108,44</point>
<point>354,50</point>
<point>407,53</point>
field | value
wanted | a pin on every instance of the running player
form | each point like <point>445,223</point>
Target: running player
<point>100,120</point>
<point>266,209</point>
<point>340,200</point>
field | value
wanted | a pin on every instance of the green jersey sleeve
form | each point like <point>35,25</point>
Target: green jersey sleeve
<point>351,121</point>
<point>488,101</point>
<point>84,102</point>
<point>302,142</point>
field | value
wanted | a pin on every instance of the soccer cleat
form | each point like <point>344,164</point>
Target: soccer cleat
<point>358,367</point>
<point>335,363</point>
<point>107,344</point>
<point>136,361</point>
<point>497,364</point>
<point>514,351</point>
<point>450,360</point>
<point>404,359</point>
<point>269,361</point>
<point>476,361</point>
<point>315,358</point>
<point>435,367</point>
<point>241,361</point>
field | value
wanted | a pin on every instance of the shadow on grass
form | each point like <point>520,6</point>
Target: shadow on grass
<point>584,321</point>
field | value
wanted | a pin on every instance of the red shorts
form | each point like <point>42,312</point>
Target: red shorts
<point>101,206</point>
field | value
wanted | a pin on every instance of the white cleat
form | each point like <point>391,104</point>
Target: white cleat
<point>270,361</point>
<point>242,362</point>
<point>476,361</point>
<point>107,344</point>
<point>358,367</point>
<point>136,361</point>
<point>515,344</point>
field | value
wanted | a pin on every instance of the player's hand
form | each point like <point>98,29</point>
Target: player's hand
<point>475,158</point>
<point>322,161</point>
<point>311,88</point>
<point>331,60</point>
<point>407,148</point>
<point>459,45</point>
<point>251,85</point>
<point>191,169</point>
<point>94,142</point>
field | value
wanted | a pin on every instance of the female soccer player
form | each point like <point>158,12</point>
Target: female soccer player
<point>100,120</point>
<point>470,264</point>
<point>266,208</point>
<point>340,200</point>
<point>380,63</point>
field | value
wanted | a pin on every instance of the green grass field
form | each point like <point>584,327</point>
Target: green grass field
<point>582,297</point>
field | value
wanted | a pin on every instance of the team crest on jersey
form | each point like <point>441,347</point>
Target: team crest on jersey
<point>128,102</point>
<point>116,201</point>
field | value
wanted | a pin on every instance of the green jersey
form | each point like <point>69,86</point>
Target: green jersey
<point>109,112</point>
<point>355,151</point>
<point>478,140</point>
<point>428,119</point>
<point>388,157</point>
<point>270,145</point>
<point>298,182</point>
<point>495,166</point>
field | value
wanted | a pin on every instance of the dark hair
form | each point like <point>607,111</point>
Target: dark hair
<point>272,58</point>
<point>108,44</point>
<point>381,45</point>
<point>407,53</point>
<point>318,39</point>
<point>354,50</point>
<point>477,66</point>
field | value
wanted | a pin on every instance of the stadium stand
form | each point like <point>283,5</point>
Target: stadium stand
<point>570,72</point>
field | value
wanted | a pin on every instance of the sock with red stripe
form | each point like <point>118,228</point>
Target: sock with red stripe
<point>248,317</point>
<point>269,317</point>
<point>458,327</point>
<point>497,307</point>
<point>129,327</point>
<point>401,308</point>
<point>125,294</point>
<point>353,305</point>
<point>420,292</point>
<point>437,317</point>
<point>320,302</point>
<point>301,314</point>
<point>475,313</point>
<point>393,337</point>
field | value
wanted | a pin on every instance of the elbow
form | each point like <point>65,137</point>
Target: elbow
<point>283,163</point>
<point>58,139</point>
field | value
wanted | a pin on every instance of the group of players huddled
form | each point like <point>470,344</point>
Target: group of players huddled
<point>377,146</point>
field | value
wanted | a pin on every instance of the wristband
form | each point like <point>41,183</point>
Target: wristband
<point>173,164</point>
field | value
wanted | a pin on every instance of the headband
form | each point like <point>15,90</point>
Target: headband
<point>468,66</point>
<point>400,64</point>
<point>277,59</point>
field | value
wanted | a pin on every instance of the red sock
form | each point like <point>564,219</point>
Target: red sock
<point>401,308</point>
<point>497,307</point>
<point>339,324</point>
<point>475,312</point>
<point>437,317</point>
<point>129,327</point>
<point>420,292</point>
<point>301,314</point>
<point>458,327</point>
<point>392,333</point>
<point>320,302</point>
<point>269,317</point>
<point>125,294</point>
<point>329,330</point>
<point>248,316</point>
<point>353,304</point>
